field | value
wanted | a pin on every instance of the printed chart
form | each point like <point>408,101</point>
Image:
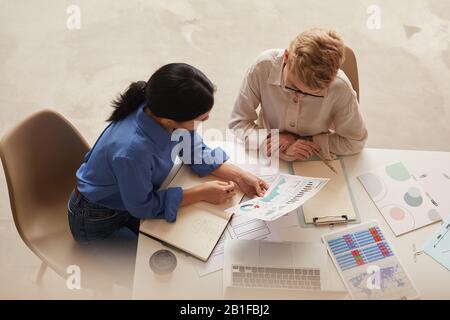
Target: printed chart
<point>368,264</point>
<point>286,193</point>
<point>402,201</point>
<point>438,247</point>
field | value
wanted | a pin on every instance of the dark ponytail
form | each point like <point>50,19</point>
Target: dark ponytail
<point>176,91</point>
<point>128,101</point>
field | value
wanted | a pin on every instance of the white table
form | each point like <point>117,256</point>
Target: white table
<point>432,279</point>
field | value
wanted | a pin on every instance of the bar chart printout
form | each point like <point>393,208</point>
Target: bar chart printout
<point>368,264</point>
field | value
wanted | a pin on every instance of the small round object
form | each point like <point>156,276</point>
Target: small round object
<point>163,262</point>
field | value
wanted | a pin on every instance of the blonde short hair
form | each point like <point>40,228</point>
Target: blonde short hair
<point>315,56</point>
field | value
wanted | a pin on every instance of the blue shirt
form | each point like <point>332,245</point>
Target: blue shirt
<point>129,162</point>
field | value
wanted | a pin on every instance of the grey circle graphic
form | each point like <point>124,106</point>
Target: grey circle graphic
<point>413,197</point>
<point>163,262</point>
<point>372,184</point>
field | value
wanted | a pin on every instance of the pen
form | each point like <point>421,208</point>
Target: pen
<point>230,182</point>
<point>317,153</point>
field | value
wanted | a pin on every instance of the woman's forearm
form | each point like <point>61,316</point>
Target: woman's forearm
<point>192,195</point>
<point>228,171</point>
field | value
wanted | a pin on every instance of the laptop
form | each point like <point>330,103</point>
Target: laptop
<point>263,269</point>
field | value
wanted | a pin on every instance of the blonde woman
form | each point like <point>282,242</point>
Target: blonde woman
<point>302,92</point>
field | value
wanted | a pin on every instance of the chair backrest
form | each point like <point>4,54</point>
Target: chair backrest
<point>40,157</point>
<point>350,67</point>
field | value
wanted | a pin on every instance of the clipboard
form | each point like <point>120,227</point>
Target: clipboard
<point>347,213</point>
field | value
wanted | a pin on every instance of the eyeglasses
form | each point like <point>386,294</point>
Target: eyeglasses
<point>295,90</point>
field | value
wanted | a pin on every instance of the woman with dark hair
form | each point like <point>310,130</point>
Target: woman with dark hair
<point>119,180</point>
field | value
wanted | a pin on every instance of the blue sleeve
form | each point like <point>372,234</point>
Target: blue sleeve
<point>137,192</point>
<point>203,160</point>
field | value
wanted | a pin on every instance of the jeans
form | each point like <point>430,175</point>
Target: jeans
<point>89,221</point>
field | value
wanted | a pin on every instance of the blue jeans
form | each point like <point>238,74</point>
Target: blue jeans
<point>89,221</point>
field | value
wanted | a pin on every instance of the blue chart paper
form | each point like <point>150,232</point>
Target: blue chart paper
<point>438,247</point>
<point>367,263</point>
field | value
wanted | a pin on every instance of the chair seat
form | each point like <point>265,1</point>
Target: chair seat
<point>40,157</point>
<point>101,263</point>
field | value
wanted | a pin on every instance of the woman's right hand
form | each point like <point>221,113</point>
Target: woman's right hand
<point>284,141</point>
<point>302,149</point>
<point>217,192</point>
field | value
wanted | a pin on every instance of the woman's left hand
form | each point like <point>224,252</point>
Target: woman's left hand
<point>251,185</point>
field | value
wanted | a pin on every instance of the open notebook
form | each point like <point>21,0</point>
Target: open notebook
<point>333,204</point>
<point>199,226</point>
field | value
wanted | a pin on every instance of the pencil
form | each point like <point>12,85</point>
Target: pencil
<point>317,153</point>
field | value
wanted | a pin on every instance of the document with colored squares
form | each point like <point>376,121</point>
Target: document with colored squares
<point>368,264</point>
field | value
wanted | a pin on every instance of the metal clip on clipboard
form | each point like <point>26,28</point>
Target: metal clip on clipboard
<point>330,220</point>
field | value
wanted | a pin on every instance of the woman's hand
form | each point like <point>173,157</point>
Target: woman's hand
<point>217,192</point>
<point>285,140</point>
<point>301,149</point>
<point>251,185</point>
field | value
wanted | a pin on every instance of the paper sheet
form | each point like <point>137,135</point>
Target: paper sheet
<point>239,227</point>
<point>368,264</point>
<point>438,247</point>
<point>402,201</point>
<point>288,220</point>
<point>437,184</point>
<point>286,193</point>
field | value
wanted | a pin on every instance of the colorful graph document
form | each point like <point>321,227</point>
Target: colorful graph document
<point>368,264</point>
<point>286,193</point>
<point>438,247</point>
<point>402,201</point>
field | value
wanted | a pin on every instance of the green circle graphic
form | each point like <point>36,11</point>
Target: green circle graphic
<point>397,171</point>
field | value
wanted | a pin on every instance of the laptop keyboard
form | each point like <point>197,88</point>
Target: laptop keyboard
<point>261,277</point>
